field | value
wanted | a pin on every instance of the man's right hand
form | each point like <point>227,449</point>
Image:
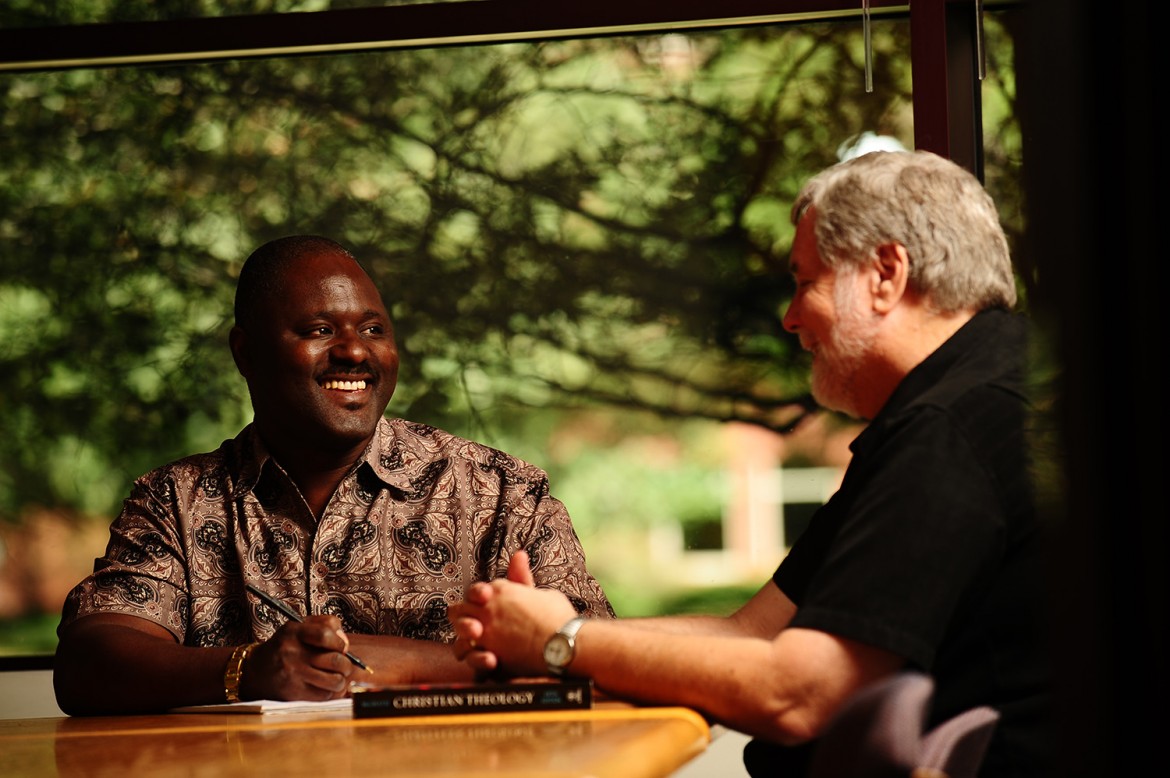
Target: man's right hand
<point>503,624</point>
<point>120,664</point>
<point>302,661</point>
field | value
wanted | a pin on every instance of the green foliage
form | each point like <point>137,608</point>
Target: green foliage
<point>714,601</point>
<point>594,223</point>
<point>29,635</point>
<point>630,601</point>
<point>637,470</point>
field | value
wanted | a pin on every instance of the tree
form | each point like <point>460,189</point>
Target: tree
<point>593,222</point>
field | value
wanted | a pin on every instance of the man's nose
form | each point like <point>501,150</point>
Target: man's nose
<point>349,346</point>
<point>790,320</point>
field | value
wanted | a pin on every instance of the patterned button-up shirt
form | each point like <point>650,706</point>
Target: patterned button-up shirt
<point>419,518</point>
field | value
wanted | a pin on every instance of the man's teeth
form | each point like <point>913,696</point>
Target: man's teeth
<point>345,386</point>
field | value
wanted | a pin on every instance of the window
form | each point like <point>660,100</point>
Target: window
<point>581,234</point>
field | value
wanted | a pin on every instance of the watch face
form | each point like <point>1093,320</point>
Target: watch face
<point>557,651</point>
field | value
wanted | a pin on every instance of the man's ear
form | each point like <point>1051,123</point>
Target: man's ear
<point>237,341</point>
<point>891,276</point>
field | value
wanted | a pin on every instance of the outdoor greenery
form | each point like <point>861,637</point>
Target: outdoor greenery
<point>574,237</point>
<point>29,635</point>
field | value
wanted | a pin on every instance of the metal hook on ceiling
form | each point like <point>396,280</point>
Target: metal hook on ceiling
<point>867,36</point>
<point>980,53</point>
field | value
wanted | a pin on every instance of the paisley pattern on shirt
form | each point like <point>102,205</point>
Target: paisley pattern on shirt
<point>423,515</point>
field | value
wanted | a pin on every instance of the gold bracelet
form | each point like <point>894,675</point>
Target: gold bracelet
<point>235,672</point>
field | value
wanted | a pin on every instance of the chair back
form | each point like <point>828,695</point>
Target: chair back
<point>957,746</point>
<point>878,732</point>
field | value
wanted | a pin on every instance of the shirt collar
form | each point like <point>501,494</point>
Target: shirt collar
<point>251,459</point>
<point>987,347</point>
<point>384,457</point>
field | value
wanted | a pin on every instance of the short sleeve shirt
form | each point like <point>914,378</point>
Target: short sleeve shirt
<point>931,549</point>
<point>423,515</point>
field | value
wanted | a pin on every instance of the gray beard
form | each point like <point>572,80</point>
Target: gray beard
<point>837,372</point>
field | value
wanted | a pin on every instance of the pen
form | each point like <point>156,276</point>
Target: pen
<point>268,599</point>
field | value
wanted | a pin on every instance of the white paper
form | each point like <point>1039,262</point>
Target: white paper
<point>269,706</point>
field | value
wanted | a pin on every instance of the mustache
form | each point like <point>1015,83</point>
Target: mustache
<point>364,370</point>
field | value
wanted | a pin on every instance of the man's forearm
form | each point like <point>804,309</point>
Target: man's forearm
<point>785,689</point>
<point>398,660</point>
<point>112,669</point>
<point>718,672</point>
<point>685,625</point>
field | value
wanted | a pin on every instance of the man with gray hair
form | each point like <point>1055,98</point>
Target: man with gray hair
<point>929,556</point>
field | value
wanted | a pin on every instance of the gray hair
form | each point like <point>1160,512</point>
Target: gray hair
<point>938,211</point>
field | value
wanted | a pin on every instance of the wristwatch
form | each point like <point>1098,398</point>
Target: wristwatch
<point>562,646</point>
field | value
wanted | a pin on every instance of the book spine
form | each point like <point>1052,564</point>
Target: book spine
<point>383,702</point>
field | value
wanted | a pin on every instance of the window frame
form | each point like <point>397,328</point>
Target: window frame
<point>944,48</point>
<point>945,41</point>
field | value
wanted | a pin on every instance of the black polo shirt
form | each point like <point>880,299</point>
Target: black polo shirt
<point>931,547</point>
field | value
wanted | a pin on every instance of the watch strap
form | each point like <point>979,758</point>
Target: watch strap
<point>569,634</point>
<point>572,626</point>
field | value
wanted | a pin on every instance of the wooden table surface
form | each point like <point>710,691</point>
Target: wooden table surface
<point>611,739</point>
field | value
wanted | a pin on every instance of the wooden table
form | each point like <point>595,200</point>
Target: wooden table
<point>611,739</point>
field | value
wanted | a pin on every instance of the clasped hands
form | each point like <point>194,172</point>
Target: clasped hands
<point>502,625</point>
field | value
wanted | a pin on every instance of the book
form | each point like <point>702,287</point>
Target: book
<point>269,706</point>
<point>477,697</point>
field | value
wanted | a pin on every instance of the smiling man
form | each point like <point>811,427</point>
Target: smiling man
<point>365,526</point>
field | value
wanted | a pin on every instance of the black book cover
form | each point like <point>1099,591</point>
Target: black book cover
<point>479,697</point>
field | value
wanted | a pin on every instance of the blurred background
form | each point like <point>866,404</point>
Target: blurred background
<point>582,243</point>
